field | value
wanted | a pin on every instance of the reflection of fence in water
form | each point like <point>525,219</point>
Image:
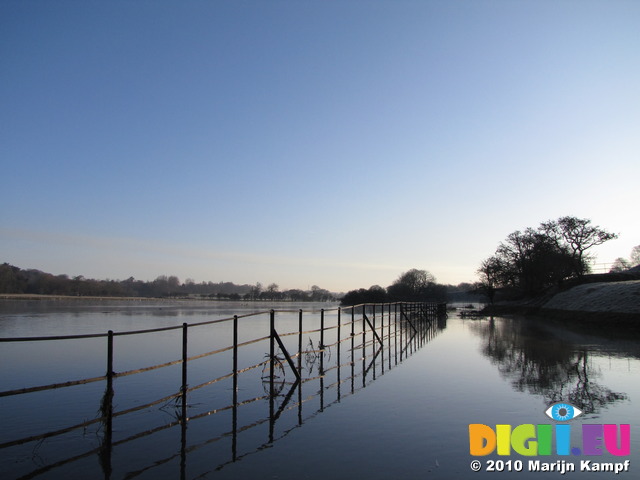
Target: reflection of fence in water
<point>377,338</point>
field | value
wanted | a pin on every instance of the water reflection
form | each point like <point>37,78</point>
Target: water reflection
<point>537,360</point>
<point>326,371</point>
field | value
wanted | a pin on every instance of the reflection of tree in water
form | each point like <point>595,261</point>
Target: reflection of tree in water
<point>585,394</point>
<point>540,363</point>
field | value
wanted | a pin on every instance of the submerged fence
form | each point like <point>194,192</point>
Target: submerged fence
<point>353,344</point>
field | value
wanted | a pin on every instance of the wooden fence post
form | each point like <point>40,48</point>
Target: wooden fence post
<point>185,327</point>
<point>234,417</point>
<point>300,366</point>
<point>322,329</point>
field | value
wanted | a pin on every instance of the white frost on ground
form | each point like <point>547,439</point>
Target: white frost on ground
<point>619,297</point>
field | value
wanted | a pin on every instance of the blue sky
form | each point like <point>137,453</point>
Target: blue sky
<point>311,142</point>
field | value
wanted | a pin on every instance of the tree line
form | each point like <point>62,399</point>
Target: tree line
<point>30,281</point>
<point>529,262</point>
<point>413,285</point>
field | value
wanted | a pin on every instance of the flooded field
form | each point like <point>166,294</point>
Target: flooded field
<point>382,394</point>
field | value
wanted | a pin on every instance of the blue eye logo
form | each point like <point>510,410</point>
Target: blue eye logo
<point>562,412</point>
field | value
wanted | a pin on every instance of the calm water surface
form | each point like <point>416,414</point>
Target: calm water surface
<point>364,410</point>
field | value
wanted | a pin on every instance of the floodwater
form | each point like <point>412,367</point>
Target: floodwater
<point>394,405</point>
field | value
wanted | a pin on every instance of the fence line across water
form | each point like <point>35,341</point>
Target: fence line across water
<point>397,329</point>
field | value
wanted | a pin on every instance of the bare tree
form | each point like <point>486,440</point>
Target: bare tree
<point>578,235</point>
<point>490,272</point>
<point>620,265</point>
<point>272,291</point>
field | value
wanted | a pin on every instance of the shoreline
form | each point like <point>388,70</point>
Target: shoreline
<point>603,304</point>
<point>80,298</point>
<point>42,297</point>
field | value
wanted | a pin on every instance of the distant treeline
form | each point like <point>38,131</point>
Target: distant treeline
<point>414,285</point>
<point>16,280</point>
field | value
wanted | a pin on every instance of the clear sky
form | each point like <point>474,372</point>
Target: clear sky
<point>336,143</point>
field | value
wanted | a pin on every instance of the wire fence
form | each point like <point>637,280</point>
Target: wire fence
<point>353,346</point>
<point>602,267</point>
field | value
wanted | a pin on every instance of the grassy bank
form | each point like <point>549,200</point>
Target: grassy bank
<point>607,303</point>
